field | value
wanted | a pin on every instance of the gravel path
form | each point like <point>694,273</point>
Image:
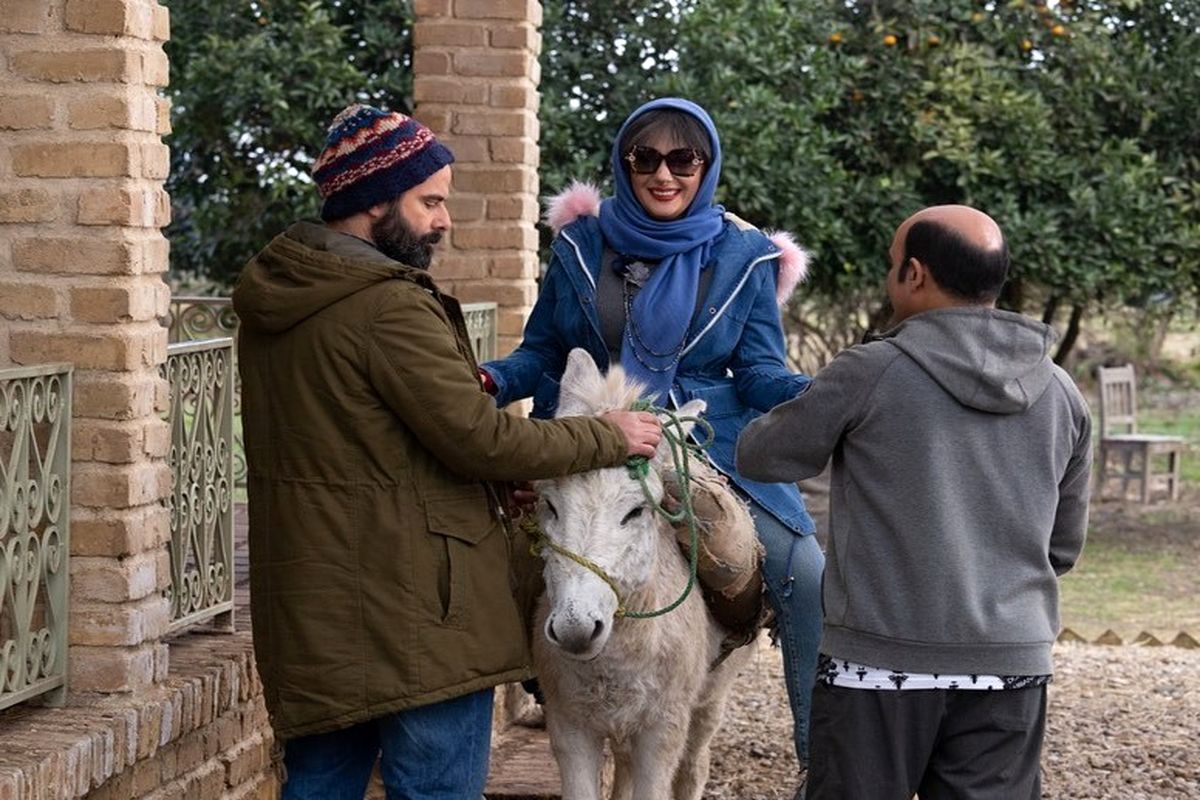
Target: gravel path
<point>1124,722</point>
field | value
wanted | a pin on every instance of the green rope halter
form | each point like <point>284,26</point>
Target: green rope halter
<point>639,470</point>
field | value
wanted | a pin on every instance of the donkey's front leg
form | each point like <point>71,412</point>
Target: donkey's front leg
<point>656,753</point>
<point>579,752</point>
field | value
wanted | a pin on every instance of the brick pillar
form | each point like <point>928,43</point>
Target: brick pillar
<point>82,259</point>
<point>476,72</point>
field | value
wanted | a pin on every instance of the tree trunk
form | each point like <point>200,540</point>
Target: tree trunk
<point>1012,296</point>
<point>1050,309</point>
<point>1067,343</point>
<point>1159,325</point>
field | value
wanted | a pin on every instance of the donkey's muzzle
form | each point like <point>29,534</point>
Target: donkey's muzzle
<point>576,637</point>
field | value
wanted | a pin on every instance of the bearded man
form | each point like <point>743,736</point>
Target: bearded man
<point>380,582</point>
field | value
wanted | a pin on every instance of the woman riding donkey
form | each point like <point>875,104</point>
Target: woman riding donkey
<point>686,298</point>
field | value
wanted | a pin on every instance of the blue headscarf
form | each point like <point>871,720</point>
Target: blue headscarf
<point>662,309</point>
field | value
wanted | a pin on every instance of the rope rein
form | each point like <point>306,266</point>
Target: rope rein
<point>639,470</point>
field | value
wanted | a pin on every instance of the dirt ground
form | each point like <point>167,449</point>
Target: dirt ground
<point>1124,724</point>
<point>1123,721</point>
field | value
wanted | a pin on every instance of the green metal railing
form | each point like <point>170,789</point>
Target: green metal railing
<point>481,327</point>
<point>35,542</point>
<point>194,319</point>
<point>201,379</point>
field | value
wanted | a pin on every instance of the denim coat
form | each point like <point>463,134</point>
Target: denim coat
<point>733,359</point>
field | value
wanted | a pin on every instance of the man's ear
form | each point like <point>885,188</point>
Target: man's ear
<point>917,275</point>
<point>378,210</point>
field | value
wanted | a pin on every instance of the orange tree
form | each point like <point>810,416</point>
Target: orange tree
<point>1071,124</point>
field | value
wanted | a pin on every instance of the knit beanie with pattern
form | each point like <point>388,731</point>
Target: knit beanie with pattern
<point>372,156</point>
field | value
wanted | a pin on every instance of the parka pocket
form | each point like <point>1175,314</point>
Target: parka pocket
<point>457,524</point>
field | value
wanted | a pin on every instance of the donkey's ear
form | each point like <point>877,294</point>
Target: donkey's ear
<point>581,369</point>
<point>581,384</point>
<point>692,408</point>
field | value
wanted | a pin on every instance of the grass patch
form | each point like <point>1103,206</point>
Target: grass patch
<point>1131,589</point>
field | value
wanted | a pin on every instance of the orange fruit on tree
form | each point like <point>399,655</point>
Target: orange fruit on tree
<point>835,38</point>
<point>889,40</point>
<point>1058,30</point>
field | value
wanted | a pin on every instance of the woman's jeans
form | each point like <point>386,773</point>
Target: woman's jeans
<point>792,573</point>
<point>434,752</point>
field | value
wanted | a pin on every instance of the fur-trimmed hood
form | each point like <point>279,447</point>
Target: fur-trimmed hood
<point>582,199</point>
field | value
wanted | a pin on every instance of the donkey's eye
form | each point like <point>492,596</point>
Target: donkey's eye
<point>632,515</point>
<point>550,507</point>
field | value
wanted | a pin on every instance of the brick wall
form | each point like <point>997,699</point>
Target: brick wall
<point>82,164</point>
<point>202,733</point>
<point>475,77</point>
<point>82,259</point>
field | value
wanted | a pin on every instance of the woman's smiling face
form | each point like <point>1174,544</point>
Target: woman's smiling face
<point>663,195</point>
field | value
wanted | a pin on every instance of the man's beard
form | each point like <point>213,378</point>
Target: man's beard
<point>399,242</point>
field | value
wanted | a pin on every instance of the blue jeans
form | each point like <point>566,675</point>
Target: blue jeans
<point>792,573</point>
<point>434,752</point>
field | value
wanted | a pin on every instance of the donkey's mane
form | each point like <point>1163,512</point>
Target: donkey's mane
<point>596,394</point>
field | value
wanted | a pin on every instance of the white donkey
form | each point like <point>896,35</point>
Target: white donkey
<point>648,686</point>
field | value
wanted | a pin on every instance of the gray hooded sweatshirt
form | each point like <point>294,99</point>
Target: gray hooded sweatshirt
<point>961,457</point>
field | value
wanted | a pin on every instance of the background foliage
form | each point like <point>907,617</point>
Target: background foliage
<point>1071,122</point>
<point>1062,122</point>
<point>252,85</point>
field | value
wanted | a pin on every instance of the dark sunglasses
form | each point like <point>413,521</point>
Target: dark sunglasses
<point>683,162</point>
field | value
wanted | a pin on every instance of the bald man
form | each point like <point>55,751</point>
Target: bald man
<point>961,456</point>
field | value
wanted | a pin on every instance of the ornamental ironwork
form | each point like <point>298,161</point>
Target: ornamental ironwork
<point>193,318</point>
<point>35,492</point>
<point>481,327</point>
<point>201,379</point>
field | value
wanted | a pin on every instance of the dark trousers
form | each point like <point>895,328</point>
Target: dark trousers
<point>962,744</point>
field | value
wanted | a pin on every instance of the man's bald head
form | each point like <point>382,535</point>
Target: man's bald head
<point>974,226</point>
<point>963,249</point>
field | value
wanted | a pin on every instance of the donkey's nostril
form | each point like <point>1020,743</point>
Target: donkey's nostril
<point>599,629</point>
<point>550,631</point>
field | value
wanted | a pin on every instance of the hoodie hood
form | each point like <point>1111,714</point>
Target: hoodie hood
<point>990,360</point>
<point>307,268</point>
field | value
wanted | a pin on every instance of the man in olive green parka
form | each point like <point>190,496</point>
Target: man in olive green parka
<point>381,588</point>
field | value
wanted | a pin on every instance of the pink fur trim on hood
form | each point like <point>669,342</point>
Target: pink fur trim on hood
<point>578,200</point>
<point>793,264</point>
<point>582,199</point>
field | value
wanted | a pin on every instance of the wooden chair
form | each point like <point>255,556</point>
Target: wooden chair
<point>1134,451</point>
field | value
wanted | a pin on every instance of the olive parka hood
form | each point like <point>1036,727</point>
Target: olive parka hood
<point>381,578</point>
